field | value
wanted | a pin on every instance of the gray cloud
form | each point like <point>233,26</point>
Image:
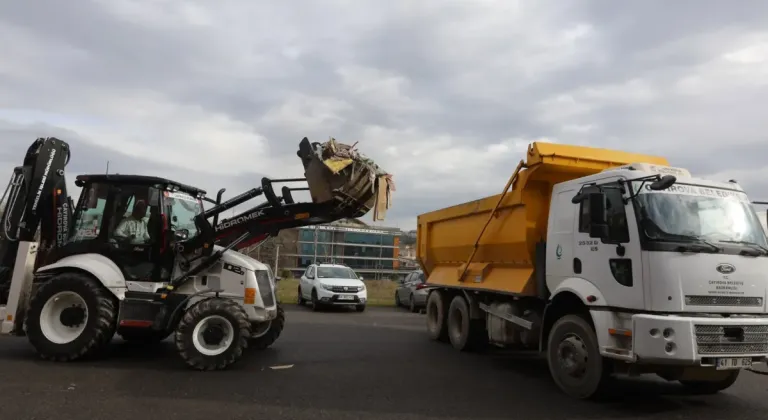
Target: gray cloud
<point>217,95</point>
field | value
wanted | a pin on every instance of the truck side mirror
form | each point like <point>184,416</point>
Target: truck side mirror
<point>662,184</point>
<point>598,227</point>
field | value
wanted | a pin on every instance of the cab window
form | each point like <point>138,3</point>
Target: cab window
<point>615,211</point>
<point>135,207</point>
<point>181,209</point>
<point>89,212</point>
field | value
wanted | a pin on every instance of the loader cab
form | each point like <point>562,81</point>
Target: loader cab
<point>135,221</point>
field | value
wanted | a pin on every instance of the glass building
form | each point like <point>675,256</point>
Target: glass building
<point>373,252</point>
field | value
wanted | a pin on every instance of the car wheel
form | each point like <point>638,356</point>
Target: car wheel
<point>300,299</point>
<point>412,304</point>
<point>315,301</point>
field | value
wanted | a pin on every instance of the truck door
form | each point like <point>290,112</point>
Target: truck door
<point>616,269</point>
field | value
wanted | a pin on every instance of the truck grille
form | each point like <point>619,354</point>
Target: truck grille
<point>265,287</point>
<point>732,339</point>
<point>723,301</point>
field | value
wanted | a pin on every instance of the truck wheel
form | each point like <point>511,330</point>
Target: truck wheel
<point>464,333</point>
<point>437,327</point>
<point>574,360</point>
<point>711,387</point>
<point>143,335</point>
<point>71,316</point>
<point>213,334</point>
<point>265,334</point>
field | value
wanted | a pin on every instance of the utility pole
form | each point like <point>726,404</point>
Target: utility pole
<point>277,257</point>
<point>107,168</point>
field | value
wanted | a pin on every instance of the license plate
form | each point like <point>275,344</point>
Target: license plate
<point>344,297</point>
<point>734,363</point>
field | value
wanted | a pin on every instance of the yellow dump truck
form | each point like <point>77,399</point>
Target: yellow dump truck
<point>605,263</point>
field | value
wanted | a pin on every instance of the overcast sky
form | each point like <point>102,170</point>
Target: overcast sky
<point>443,94</point>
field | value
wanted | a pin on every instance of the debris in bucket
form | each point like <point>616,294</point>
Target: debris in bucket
<point>339,171</point>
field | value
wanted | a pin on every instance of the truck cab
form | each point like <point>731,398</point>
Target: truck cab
<point>651,258</point>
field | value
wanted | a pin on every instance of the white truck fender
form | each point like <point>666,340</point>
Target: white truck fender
<point>99,266</point>
<point>581,288</point>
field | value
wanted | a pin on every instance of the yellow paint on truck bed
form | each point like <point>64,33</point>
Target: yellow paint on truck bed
<point>505,255</point>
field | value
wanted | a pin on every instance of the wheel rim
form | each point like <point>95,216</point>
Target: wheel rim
<point>213,335</point>
<point>261,329</point>
<point>64,317</point>
<point>572,356</point>
<point>455,325</point>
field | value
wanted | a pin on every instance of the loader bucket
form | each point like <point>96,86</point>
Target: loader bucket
<point>338,172</point>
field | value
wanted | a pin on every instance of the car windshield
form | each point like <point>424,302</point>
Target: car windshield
<point>696,212</point>
<point>335,273</point>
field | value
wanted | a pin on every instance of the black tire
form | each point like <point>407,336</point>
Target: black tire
<point>100,325</point>
<point>300,300</point>
<point>397,300</point>
<point>711,387</point>
<point>412,305</point>
<point>575,338</point>
<point>143,335</point>
<point>464,333</point>
<point>233,313</point>
<point>315,302</point>
<point>360,308</point>
<point>437,327</point>
<point>275,329</point>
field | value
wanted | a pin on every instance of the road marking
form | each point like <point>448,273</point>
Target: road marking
<point>281,367</point>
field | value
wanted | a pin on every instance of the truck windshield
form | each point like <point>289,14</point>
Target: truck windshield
<point>696,212</point>
<point>335,273</point>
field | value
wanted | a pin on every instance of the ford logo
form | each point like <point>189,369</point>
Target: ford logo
<point>725,268</point>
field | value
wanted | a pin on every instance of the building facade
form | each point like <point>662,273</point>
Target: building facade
<point>373,252</point>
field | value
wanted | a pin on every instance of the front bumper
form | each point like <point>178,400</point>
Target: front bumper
<point>327,297</point>
<point>697,341</point>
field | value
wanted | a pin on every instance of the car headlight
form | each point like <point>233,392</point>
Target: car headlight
<point>361,288</point>
<point>327,287</point>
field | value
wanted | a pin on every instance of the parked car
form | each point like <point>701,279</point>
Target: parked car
<point>412,291</point>
<point>330,285</point>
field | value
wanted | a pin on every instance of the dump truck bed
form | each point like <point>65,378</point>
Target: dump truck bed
<point>504,260</point>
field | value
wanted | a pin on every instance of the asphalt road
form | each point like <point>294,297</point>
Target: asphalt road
<point>338,365</point>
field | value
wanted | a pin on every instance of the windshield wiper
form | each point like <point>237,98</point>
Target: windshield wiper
<point>696,246</point>
<point>763,250</point>
<point>661,234</point>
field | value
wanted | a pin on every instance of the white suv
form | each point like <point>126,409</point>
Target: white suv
<point>332,284</point>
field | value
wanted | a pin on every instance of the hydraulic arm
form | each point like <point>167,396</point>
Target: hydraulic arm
<point>36,196</point>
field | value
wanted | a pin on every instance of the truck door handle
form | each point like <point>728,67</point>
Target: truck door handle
<point>576,266</point>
